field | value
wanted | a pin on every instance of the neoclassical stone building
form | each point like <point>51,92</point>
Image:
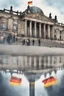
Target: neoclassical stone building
<point>31,23</point>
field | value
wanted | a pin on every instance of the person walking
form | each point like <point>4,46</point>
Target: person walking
<point>39,42</point>
<point>33,42</point>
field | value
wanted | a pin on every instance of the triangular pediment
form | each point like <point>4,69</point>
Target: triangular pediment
<point>39,17</point>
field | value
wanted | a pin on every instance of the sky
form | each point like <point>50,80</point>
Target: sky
<point>56,7</point>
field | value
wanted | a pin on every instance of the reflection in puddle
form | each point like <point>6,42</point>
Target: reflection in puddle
<point>31,62</point>
<point>7,90</point>
<point>23,89</point>
<point>56,90</point>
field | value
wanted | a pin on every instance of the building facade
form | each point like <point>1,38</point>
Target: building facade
<point>31,23</point>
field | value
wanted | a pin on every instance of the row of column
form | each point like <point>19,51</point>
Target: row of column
<point>33,62</point>
<point>40,62</point>
<point>44,30</point>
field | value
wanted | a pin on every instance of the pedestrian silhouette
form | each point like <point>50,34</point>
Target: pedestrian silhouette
<point>33,42</point>
<point>23,42</point>
<point>39,42</point>
<point>28,42</point>
<point>9,38</point>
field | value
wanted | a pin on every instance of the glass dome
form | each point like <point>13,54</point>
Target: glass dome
<point>34,9</point>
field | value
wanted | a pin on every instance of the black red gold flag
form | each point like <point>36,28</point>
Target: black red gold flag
<point>14,81</point>
<point>49,81</point>
<point>30,2</point>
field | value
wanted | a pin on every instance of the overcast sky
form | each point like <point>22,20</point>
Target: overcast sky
<point>56,7</point>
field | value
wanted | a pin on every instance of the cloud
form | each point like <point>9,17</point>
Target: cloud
<point>48,6</point>
<point>7,3</point>
<point>56,3</point>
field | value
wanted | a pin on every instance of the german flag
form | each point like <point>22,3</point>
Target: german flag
<point>49,82</point>
<point>30,3</point>
<point>15,81</point>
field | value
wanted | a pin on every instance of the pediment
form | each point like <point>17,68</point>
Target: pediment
<point>39,17</point>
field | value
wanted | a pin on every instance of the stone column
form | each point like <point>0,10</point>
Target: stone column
<point>10,24</point>
<point>52,60</point>
<point>48,61</point>
<point>30,60</point>
<point>48,31</point>
<point>25,62</point>
<point>30,28</point>
<point>52,32</point>
<point>57,60</point>
<point>40,30</point>
<point>10,60</point>
<point>34,62</point>
<point>25,27</point>
<point>19,28</point>
<point>44,62</point>
<point>39,62</point>
<point>35,34</point>
<point>22,63</point>
<point>44,26</point>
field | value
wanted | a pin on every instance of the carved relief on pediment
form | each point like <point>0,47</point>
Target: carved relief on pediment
<point>38,16</point>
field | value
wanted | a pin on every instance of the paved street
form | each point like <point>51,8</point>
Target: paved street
<point>32,50</point>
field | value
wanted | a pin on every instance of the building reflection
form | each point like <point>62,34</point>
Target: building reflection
<point>32,62</point>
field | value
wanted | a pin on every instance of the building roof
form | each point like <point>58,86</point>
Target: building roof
<point>35,13</point>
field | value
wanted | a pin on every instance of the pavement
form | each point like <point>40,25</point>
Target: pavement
<point>30,50</point>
